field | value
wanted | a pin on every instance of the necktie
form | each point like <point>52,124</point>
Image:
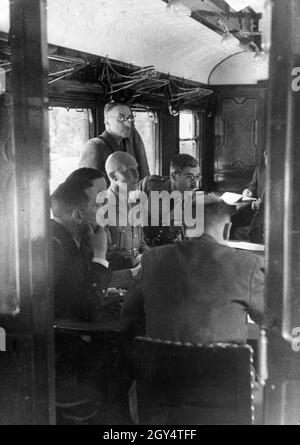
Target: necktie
<point>123,145</point>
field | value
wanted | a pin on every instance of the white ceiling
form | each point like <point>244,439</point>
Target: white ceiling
<point>142,32</point>
<point>238,5</point>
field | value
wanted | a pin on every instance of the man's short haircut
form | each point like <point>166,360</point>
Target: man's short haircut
<point>86,172</point>
<point>216,211</point>
<point>181,161</point>
<point>111,105</point>
<point>70,195</point>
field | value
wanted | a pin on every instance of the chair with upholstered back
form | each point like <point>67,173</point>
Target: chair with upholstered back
<point>181,383</point>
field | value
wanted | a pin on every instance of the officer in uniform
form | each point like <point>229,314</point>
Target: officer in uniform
<point>184,176</point>
<point>125,241</point>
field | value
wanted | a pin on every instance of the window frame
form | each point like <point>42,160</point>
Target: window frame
<point>71,105</point>
<point>196,138</point>
<point>156,137</point>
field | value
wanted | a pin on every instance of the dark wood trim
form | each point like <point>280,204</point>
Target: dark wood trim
<point>169,140</point>
<point>71,87</point>
<point>35,345</point>
<point>283,218</point>
<point>222,89</point>
<point>280,137</point>
<point>208,152</point>
<point>232,176</point>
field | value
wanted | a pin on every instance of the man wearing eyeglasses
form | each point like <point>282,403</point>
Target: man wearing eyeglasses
<point>184,177</point>
<point>119,135</point>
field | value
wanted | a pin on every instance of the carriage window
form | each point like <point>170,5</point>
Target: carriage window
<point>68,131</point>
<point>188,133</point>
<point>146,123</point>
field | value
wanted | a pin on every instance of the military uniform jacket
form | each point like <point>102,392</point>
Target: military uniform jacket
<point>159,235</point>
<point>125,242</point>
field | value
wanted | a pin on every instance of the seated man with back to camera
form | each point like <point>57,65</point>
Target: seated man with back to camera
<point>184,176</point>
<point>126,240</point>
<point>199,290</point>
<point>81,277</point>
<point>120,135</point>
<point>248,221</point>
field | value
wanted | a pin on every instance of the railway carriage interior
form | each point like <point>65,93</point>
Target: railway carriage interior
<point>213,79</point>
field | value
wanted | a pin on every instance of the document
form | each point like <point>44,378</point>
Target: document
<point>231,198</point>
<point>244,245</point>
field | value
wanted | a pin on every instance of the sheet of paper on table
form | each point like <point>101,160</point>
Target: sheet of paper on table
<point>231,198</point>
<point>246,246</point>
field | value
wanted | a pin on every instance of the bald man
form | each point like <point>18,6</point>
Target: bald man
<point>122,171</point>
<point>126,241</point>
<point>119,135</point>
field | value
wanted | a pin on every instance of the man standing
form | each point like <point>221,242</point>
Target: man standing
<point>184,177</point>
<point>119,135</point>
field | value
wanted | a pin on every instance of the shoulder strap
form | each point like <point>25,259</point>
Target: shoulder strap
<point>106,142</point>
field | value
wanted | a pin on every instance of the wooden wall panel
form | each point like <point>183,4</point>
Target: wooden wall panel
<point>239,136</point>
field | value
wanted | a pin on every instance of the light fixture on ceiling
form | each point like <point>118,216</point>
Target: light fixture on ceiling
<point>259,56</point>
<point>173,112</point>
<point>177,8</point>
<point>264,7</point>
<point>266,25</point>
<point>228,40</point>
<point>239,5</point>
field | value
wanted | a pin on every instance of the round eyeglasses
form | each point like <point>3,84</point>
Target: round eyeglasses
<point>190,176</point>
<point>123,119</point>
<point>193,177</point>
